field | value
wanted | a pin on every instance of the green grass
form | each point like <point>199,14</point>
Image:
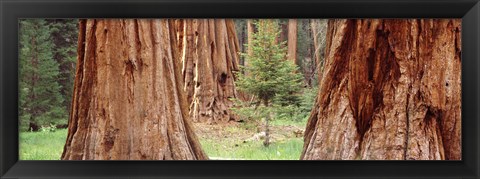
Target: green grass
<point>49,146</point>
<point>42,145</point>
<point>285,150</point>
<point>288,122</point>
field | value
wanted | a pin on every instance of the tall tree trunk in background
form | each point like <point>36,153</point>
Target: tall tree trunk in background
<point>242,32</point>
<point>316,47</point>
<point>319,30</point>
<point>188,51</point>
<point>313,27</point>
<point>307,59</point>
<point>210,57</point>
<point>250,32</point>
<point>128,101</point>
<point>292,40</point>
<point>391,90</point>
<point>241,28</point>
<point>283,37</point>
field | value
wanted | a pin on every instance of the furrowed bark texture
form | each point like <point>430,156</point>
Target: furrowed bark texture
<point>179,32</point>
<point>391,91</point>
<point>128,101</point>
<point>210,58</point>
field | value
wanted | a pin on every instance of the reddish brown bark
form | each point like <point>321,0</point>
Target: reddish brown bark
<point>128,101</point>
<point>250,32</point>
<point>391,91</point>
<point>179,27</point>
<point>210,58</point>
<point>292,40</point>
<point>313,27</point>
<point>283,36</point>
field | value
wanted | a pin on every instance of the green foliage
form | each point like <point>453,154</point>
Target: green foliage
<point>50,128</point>
<point>252,114</point>
<point>269,76</point>
<point>64,34</point>
<point>300,112</point>
<point>288,112</point>
<point>241,31</point>
<point>283,115</point>
<point>308,100</point>
<point>41,102</point>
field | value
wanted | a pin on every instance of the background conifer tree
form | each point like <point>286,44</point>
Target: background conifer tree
<point>271,78</point>
<point>40,98</point>
<point>64,35</point>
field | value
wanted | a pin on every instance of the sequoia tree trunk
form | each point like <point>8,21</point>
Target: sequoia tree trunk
<point>179,25</point>
<point>316,46</point>
<point>210,58</point>
<point>307,60</point>
<point>391,91</point>
<point>128,101</point>
<point>292,40</point>
<point>283,36</point>
<point>319,29</point>
<point>250,32</point>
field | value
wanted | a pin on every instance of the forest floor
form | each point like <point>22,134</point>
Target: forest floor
<point>231,141</point>
<point>244,141</point>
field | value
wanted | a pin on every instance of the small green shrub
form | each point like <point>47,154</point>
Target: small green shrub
<point>49,128</point>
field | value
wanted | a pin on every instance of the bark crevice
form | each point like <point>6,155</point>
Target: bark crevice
<point>390,90</point>
<point>122,109</point>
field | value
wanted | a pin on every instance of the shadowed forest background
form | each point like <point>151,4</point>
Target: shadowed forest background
<point>239,89</point>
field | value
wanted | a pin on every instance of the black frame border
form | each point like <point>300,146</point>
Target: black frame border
<point>12,10</point>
